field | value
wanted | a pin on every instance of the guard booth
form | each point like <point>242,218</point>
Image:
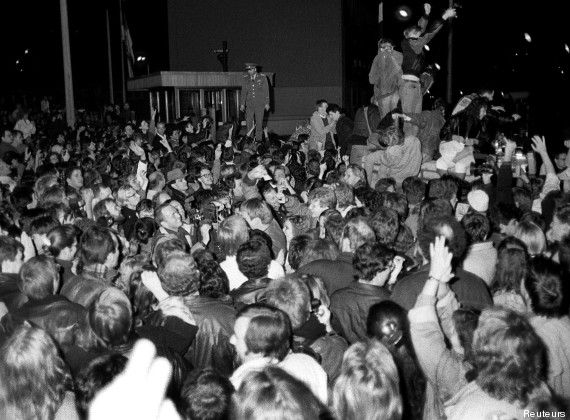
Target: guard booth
<point>175,93</point>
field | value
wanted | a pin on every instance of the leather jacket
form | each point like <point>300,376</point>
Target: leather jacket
<point>215,321</point>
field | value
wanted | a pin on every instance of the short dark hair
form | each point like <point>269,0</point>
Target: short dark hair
<point>269,331</point>
<point>415,189</point>
<point>206,395</point>
<point>447,226</point>
<point>397,202</point>
<point>386,224</point>
<point>370,259</point>
<point>334,108</point>
<point>477,226</point>
<point>320,102</point>
<point>547,284</point>
<point>433,207</point>
<point>297,248</point>
<point>95,244</point>
<point>253,259</point>
<point>61,237</point>
<point>94,377</point>
<point>214,281</point>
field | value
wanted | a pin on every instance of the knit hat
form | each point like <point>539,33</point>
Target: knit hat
<point>174,174</point>
<point>478,200</point>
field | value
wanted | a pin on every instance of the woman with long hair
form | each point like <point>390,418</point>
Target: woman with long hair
<point>388,323</point>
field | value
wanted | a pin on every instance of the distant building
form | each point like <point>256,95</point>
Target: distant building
<point>311,49</point>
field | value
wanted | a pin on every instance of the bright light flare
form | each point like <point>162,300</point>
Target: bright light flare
<point>527,37</point>
<point>403,12</point>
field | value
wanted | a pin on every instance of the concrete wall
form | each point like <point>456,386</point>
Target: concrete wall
<point>298,40</point>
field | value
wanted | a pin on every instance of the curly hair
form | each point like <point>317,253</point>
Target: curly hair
<point>508,355</point>
<point>214,281</point>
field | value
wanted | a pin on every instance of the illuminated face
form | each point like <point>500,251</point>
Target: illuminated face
<point>557,230</point>
<point>76,179</point>
<point>129,131</point>
<point>114,209</point>
<point>206,177</point>
<point>181,184</point>
<point>335,116</point>
<point>172,219</point>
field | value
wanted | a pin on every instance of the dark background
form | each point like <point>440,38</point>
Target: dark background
<point>489,46</point>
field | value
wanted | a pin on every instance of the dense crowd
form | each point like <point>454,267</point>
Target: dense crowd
<point>398,265</point>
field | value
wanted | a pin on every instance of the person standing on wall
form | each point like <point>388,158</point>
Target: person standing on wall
<point>254,98</point>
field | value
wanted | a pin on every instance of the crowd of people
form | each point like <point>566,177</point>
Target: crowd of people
<point>180,270</point>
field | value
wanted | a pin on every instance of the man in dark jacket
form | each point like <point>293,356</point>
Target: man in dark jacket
<point>312,331</point>
<point>413,64</point>
<point>373,264</point>
<point>39,281</point>
<point>344,128</point>
<point>11,260</point>
<point>470,289</point>
<point>211,348</point>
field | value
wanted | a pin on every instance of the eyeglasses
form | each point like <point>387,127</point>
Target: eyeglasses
<point>386,48</point>
<point>209,174</point>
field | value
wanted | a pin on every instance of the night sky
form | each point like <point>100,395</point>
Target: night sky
<point>489,45</point>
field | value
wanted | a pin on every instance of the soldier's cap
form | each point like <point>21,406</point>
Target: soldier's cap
<point>250,66</point>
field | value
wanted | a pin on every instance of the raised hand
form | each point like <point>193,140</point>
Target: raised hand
<point>539,144</point>
<point>440,259</point>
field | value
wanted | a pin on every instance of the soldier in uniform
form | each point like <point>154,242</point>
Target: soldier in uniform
<point>254,98</point>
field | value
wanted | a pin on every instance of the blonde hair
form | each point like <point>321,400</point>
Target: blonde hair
<point>532,236</point>
<point>368,386</point>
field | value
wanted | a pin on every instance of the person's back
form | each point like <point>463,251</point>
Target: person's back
<point>373,266</point>
<point>211,347</point>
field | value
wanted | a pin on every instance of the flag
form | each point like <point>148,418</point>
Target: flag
<point>128,44</point>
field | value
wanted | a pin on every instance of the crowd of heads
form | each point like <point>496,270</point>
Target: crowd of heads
<point>229,253</point>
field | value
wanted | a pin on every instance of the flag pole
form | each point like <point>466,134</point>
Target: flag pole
<point>111,89</point>
<point>67,74</point>
<point>122,52</point>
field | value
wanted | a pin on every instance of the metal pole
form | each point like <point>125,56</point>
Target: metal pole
<point>67,75</point>
<point>381,20</point>
<point>111,89</point>
<point>450,59</point>
<point>122,52</point>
